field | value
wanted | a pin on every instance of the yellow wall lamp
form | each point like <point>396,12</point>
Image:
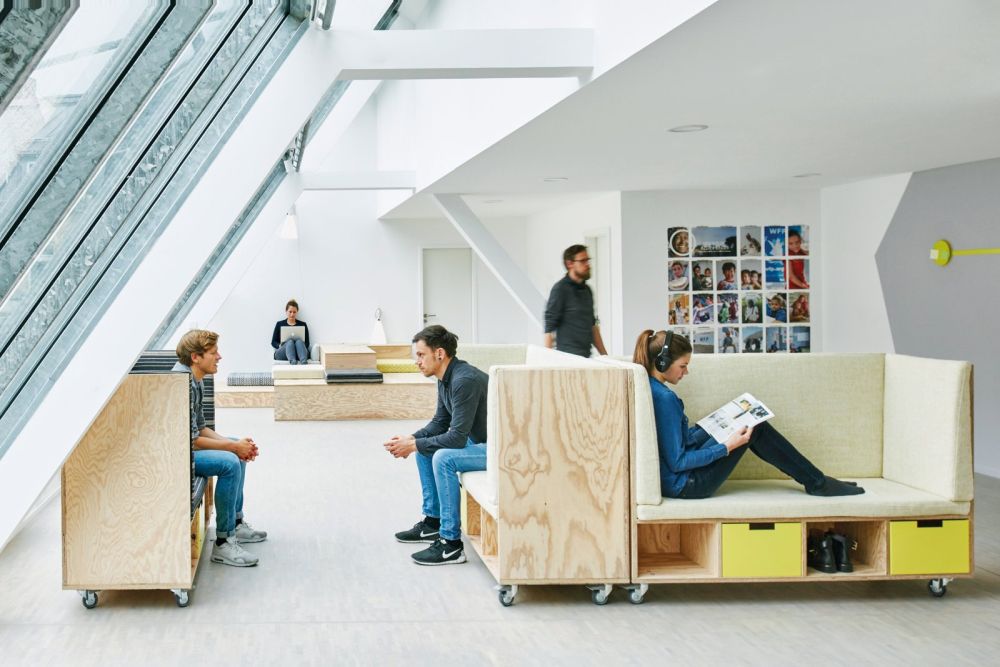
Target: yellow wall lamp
<point>942,253</point>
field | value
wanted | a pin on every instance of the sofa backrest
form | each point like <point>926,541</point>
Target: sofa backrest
<point>928,425</point>
<point>483,356</point>
<point>829,406</point>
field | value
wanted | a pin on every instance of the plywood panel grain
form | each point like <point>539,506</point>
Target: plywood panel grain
<point>563,488</point>
<point>391,400</point>
<point>126,491</point>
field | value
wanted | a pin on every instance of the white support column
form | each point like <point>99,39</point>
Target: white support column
<point>464,54</point>
<point>493,255</point>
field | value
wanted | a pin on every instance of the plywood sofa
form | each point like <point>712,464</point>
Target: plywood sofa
<point>552,507</point>
<point>899,425</point>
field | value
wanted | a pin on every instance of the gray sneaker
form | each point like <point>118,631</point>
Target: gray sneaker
<point>231,553</point>
<point>246,533</point>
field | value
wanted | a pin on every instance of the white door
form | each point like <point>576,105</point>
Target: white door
<point>449,290</point>
<point>599,251</point>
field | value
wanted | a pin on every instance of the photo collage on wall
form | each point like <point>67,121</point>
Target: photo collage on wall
<point>740,289</point>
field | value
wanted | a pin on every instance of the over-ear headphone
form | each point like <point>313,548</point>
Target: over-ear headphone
<point>663,359</point>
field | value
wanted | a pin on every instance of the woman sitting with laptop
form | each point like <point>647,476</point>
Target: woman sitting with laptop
<point>290,339</point>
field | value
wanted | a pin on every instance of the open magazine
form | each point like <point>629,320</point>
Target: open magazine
<point>744,410</point>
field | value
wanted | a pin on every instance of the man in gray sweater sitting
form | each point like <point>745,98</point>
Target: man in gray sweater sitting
<point>454,441</point>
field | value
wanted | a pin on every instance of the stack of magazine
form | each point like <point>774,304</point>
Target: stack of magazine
<point>744,411</point>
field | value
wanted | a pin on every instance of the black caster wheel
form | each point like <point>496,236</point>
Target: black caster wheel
<point>937,588</point>
<point>182,599</point>
<point>90,599</point>
<point>506,598</point>
<point>635,597</point>
<point>599,597</point>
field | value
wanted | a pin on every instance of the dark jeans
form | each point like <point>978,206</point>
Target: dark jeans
<point>767,443</point>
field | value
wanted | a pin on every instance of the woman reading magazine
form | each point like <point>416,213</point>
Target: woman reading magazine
<point>692,464</point>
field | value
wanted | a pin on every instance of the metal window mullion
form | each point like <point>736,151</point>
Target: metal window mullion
<point>98,248</point>
<point>25,47</point>
<point>19,202</point>
<point>122,105</point>
<point>93,204</point>
<point>17,405</point>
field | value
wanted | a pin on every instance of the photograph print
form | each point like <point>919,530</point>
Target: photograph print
<point>679,309</point>
<point>727,309</point>
<point>777,339</point>
<point>701,275</point>
<point>725,275</point>
<point>753,339</point>
<point>678,280</point>
<point>702,307</point>
<point>703,340</point>
<point>750,241</point>
<point>798,273</point>
<point>752,311</point>
<point>798,240</point>
<point>679,242</point>
<point>777,307</point>
<point>751,274</point>
<point>714,241</point>
<point>729,340</point>
<point>798,340</point>
<point>799,308</point>
<point>774,241</point>
<point>774,274</point>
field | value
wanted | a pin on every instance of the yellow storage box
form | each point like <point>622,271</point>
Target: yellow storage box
<point>397,366</point>
<point>929,547</point>
<point>761,550</point>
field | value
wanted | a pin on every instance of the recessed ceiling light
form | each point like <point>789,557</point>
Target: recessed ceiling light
<point>689,128</point>
<point>808,174</point>
<point>492,201</point>
<point>555,179</point>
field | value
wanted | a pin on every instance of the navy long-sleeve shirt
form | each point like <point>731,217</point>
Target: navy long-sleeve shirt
<point>569,313</point>
<point>682,449</point>
<point>276,336</point>
<point>461,410</point>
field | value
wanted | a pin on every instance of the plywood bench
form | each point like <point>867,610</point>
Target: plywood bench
<point>552,507</point>
<point>133,515</point>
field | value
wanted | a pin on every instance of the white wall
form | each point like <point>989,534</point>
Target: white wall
<point>854,220</point>
<point>343,266</point>
<point>549,233</point>
<point>647,215</point>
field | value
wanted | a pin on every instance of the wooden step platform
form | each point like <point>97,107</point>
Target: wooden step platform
<point>244,397</point>
<point>400,396</point>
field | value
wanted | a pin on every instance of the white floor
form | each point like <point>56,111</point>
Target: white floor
<point>334,587</point>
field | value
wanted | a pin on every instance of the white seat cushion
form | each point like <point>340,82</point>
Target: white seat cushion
<point>299,372</point>
<point>785,499</point>
<point>477,485</point>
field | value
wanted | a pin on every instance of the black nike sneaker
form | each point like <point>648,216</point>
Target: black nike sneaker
<point>442,552</point>
<point>420,532</point>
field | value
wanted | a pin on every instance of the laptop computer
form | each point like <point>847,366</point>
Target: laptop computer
<point>298,333</point>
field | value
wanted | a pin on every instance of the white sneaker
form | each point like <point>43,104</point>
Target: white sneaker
<point>246,533</point>
<point>231,553</point>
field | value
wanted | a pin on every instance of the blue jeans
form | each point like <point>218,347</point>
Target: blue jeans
<point>230,472</point>
<point>439,483</point>
<point>767,443</point>
<point>293,351</point>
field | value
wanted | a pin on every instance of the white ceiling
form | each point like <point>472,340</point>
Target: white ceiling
<point>849,89</point>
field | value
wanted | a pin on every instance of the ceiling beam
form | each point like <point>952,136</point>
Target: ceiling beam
<point>493,255</point>
<point>463,54</point>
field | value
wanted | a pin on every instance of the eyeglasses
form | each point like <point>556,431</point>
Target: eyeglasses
<point>585,260</point>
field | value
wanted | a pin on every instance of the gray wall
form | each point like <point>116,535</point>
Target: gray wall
<point>950,312</point>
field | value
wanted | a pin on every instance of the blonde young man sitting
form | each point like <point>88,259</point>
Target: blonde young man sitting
<point>219,456</point>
